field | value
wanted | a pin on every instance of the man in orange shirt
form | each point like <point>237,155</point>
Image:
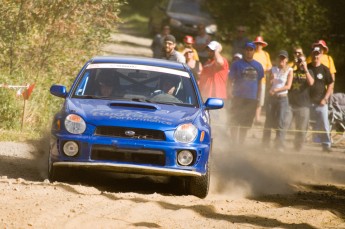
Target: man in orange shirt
<point>214,76</point>
<point>213,81</point>
<point>264,59</point>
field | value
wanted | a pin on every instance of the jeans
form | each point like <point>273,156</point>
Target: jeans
<point>321,125</point>
<point>277,110</point>
<point>301,117</point>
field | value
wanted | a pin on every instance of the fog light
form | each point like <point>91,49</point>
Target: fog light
<point>70,148</point>
<point>185,157</point>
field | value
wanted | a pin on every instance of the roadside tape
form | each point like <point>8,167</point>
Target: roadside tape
<point>275,129</point>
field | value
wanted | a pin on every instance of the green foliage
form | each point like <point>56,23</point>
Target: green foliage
<point>281,23</point>
<point>44,43</point>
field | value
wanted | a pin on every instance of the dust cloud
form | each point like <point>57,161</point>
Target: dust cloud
<point>248,170</point>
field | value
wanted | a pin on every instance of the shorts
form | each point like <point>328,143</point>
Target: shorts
<point>242,111</point>
<point>262,95</point>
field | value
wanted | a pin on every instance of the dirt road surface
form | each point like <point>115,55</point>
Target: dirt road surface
<point>250,188</point>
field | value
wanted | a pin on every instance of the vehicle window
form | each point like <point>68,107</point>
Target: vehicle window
<point>138,85</point>
<point>193,7</point>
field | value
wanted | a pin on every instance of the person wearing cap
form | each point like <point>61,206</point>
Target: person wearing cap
<point>213,78</point>
<point>188,42</point>
<point>264,59</point>
<point>326,59</point>
<point>277,106</point>
<point>299,98</point>
<point>237,56</point>
<point>169,50</point>
<point>158,42</point>
<point>244,91</point>
<point>202,39</point>
<point>320,93</point>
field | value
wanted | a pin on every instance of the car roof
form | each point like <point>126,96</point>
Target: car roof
<point>138,60</point>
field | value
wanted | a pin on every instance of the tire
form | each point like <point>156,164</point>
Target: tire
<point>199,186</point>
<point>51,171</point>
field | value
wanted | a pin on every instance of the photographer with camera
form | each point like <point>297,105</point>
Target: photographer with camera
<point>299,98</point>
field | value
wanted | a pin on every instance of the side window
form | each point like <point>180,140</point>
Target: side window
<point>83,84</point>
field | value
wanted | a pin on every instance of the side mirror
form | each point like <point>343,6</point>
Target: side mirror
<point>58,90</point>
<point>214,103</point>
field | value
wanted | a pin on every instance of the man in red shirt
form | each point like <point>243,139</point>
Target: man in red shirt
<point>213,82</point>
<point>214,76</point>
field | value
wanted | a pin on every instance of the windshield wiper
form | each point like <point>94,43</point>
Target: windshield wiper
<point>92,97</point>
<point>141,100</point>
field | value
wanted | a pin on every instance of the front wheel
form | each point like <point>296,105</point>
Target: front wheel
<point>199,186</point>
<point>51,171</point>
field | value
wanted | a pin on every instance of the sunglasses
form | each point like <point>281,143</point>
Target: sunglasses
<point>298,53</point>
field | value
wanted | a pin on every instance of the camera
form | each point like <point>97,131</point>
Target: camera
<point>300,59</point>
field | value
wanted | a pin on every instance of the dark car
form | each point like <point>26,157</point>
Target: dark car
<point>182,16</point>
<point>134,115</point>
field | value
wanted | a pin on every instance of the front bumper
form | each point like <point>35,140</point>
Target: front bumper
<point>129,147</point>
<point>127,168</point>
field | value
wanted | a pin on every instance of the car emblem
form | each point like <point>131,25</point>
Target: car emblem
<point>129,133</point>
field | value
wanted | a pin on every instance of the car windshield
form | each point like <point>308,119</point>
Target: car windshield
<point>191,7</point>
<point>139,83</point>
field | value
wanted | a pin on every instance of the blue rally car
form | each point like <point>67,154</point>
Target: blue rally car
<point>134,115</point>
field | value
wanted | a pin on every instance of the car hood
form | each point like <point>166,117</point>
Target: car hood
<point>194,19</point>
<point>131,114</point>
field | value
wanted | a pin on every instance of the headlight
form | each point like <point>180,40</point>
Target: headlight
<point>211,29</point>
<point>75,124</point>
<point>185,133</point>
<point>175,23</point>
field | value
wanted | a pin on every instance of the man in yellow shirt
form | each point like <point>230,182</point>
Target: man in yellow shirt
<point>264,59</point>
<point>326,59</point>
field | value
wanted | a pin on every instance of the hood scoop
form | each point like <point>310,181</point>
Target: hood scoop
<point>133,105</point>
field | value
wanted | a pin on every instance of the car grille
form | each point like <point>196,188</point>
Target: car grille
<point>124,132</point>
<point>143,156</point>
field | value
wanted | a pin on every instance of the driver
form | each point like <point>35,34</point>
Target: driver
<point>107,84</point>
<point>169,85</point>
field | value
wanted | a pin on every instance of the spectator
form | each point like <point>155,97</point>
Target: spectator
<point>188,42</point>
<point>194,64</point>
<point>169,52</point>
<point>277,107</point>
<point>326,59</point>
<point>320,93</point>
<point>244,90</point>
<point>213,79</point>
<point>157,44</point>
<point>297,53</point>
<point>237,56</point>
<point>201,41</point>
<point>264,59</point>
<point>240,40</point>
<point>299,98</point>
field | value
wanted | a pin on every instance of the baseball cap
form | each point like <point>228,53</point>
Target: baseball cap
<point>213,45</point>
<point>283,53</point>
<point>316,49</point>
<point>238,55</point>
<point>170,38</point>
<point>250,45</point>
